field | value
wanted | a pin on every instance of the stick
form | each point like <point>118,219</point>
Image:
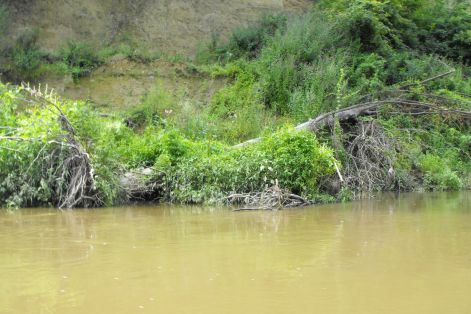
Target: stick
<point>405,87</point>
<point>338,171</point>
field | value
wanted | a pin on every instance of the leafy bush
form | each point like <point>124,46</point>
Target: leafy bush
<point>25,58</point>
<point>32,147</point>
<point>292,158</point>
<point>445,29</point>
<point>80,57</point>
<point>245,41</point>
<point>437,26</point>
<point>437,174</point>
<point>433,154</point>
<point>155,105</point>
<point>249,40</point>
<point>238,107</point>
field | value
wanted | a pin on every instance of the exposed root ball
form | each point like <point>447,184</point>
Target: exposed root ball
<point>370,159</point>
<point>69,163</point>
<point>78,175</point>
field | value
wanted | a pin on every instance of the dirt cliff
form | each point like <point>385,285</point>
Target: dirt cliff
<point>171,26</point>
<point>168,26</point>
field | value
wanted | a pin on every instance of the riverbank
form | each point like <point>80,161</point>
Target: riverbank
<point>336,113</point>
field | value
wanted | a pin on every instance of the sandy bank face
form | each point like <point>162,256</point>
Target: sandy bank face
<point>171,26</point>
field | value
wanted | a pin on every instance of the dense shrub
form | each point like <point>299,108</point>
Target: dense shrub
<point>337,53</point>
<point>437,26</point>
<point>444,29</point>
<point>80,57</point>
<point>437,174</point>
<point>32,148</point>
<point>245,42</point>
<point>293,159</point>
<point>23,58</point>
<point>153,108</point>
<point>434,154</point>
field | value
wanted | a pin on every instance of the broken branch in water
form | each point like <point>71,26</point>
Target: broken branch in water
<point>272,198</point>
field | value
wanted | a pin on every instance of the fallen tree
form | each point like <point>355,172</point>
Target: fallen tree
<point>370,108</point>
<point>395,98</point>
<point>368,151</point>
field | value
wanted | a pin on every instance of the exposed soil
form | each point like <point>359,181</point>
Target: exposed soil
<point>171,26</point>
<point>122,83</point>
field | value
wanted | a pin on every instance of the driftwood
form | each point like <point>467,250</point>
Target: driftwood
<point>141,185</point>
<point>272,198</point>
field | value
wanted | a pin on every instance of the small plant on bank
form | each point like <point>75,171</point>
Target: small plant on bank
<point>80,57</point>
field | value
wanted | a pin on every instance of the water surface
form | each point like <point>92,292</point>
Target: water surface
<point>399,254</point>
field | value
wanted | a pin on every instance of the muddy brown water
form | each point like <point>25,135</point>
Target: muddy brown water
<point>408,253</point>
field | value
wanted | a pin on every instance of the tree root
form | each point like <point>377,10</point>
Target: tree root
<point>369,158</point>
<point>70,163</point>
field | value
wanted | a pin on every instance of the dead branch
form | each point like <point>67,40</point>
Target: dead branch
<point>433,78</point>
<point>369,158</point>
<point>272,198</point>
<point>396,98</point>
<point>16,139</point>
<point>140,185</point>
<point>75,170</point>
<point>368,108</point>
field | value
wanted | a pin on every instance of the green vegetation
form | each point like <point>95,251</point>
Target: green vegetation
<point>281,71</point>
<point>4,17</point>
<point>125,46</point>
<point>21,58</point>
<point>80,58</point>
<point>33,148</point>
<point>24,61</point>
<point>244,42</point>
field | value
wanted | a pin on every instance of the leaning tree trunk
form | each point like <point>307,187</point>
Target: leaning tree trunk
<point>396,98</point>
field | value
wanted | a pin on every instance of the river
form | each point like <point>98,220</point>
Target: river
<point>408,253</point>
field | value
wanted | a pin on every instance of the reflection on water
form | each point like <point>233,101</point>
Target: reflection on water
<point>398,254</point>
